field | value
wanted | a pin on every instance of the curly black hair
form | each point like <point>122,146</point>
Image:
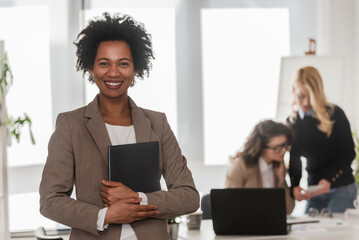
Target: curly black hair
<point>119,27</point>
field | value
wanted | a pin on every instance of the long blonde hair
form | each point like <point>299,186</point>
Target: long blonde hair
<point>323,110</point>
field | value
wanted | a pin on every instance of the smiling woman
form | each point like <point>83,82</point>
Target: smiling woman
<point>113,50</point>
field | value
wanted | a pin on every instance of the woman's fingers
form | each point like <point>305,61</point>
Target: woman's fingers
<point>129,210</point>
<point>111,183</point>
<point>300,194</point>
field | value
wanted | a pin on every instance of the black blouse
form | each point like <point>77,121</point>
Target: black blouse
<point>328,158</point>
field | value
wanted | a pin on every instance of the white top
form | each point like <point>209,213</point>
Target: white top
<point>267,173</point>
<point>120,135</point>
<point>302,114</point>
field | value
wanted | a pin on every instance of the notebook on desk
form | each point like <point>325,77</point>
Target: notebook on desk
<point>250,211</point>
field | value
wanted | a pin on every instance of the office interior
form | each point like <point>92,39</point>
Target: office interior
<point>195,81</point>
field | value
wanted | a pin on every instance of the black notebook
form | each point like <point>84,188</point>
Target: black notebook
<point>135,165</point>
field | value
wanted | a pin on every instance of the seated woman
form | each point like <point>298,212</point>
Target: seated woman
<point>260,164</point>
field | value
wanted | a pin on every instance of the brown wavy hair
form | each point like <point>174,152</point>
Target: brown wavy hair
<point>323,110</point>
<point>259,138</point>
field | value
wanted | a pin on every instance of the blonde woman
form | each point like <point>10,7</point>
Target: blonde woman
<point>323,136</point>
<point>260,164</point>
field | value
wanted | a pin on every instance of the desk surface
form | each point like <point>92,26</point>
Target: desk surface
<point>327,229</point>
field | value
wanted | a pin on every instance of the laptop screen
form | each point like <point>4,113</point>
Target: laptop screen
<point>259,211</point>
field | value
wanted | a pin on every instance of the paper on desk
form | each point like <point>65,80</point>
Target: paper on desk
<point>333,222</point>
<point>322,226</point>
<point>306,228</point>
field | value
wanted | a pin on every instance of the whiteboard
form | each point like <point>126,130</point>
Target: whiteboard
<point>330,68</point>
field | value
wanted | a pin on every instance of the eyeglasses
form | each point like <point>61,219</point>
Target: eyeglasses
<point>278,149</point>
<point>325,212</point>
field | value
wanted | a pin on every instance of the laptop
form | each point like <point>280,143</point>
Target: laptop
<point>250,211</point>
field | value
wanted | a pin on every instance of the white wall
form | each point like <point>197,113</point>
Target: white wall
<point>337,33</point>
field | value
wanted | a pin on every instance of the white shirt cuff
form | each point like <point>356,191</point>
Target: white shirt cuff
<point>102,213</point>
<point>144,198</point>
<point>101,219</point>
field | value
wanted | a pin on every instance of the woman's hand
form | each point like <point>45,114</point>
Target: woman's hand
<point>300,194</point>
<point>112,192</point>
<point>278,168</point>
<point>128,210</point>
<point>326,187</point>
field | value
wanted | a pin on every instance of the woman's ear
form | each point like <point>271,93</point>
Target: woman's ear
<point>294,94</point>
<point>293,89</point>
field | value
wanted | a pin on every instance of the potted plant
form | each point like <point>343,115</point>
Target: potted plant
<point>9,128</point>
<point>356,159</point>
<point>14,125</point>
<point>172,227</point>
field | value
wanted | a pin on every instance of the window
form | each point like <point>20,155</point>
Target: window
<point>241,51</point>
<point>27,45</point>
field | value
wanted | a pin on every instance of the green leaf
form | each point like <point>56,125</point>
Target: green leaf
<point>356,159</point>
<point>13,126</point>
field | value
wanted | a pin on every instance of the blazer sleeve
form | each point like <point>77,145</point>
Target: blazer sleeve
<point>289,200</point>
<point>345,152</point>
<point>295,163</point>
<point>235,177</point>
<point>182,196</point>
<point>295,167</point>
<point>57,184</point>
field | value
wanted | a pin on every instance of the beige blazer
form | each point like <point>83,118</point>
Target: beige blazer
<point>77,156</point>
<point>240,175</point>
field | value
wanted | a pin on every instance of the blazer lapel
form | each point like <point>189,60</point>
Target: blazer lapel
<point>141,123</point>
<point>96,127</point>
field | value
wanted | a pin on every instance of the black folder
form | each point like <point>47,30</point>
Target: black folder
<point>135,165</point>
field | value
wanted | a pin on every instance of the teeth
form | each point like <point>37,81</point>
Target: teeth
<point>114,83</point>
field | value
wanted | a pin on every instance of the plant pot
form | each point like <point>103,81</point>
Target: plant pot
<point>173,230</point>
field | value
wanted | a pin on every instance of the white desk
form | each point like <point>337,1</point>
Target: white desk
<point>325,230</point>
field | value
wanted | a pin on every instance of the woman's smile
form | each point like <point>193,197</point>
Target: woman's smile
<point>113,84</point>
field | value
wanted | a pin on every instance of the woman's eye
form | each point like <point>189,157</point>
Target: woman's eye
<point>301,96</point>
<point>124,63</point>
<point>103,64</point>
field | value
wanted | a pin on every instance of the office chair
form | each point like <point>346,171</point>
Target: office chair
<point>40,234</point>
<point>206,207</point>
